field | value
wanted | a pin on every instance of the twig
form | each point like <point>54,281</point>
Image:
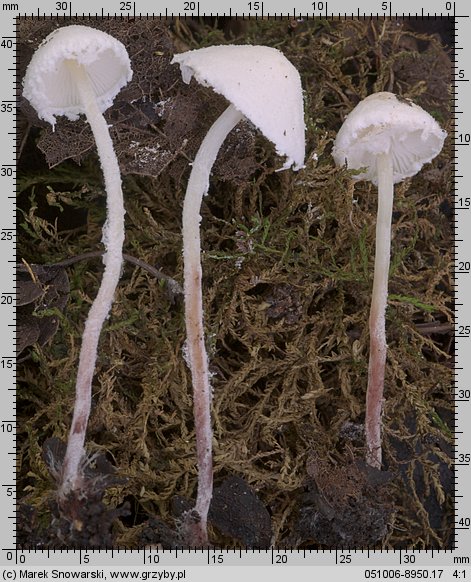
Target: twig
<point>173,287</point>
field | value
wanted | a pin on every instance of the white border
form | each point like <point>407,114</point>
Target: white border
<point>377,560</point>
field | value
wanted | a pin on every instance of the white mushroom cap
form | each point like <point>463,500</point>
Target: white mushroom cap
<point>262,84</point>
<point>48,83</point>
<point>383,123</point>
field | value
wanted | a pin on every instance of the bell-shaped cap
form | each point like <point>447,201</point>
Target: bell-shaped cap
<point>262,84</point>
<point>384,123</point>
<point>49,85</point>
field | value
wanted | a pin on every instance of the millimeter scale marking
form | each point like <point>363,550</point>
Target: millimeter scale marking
<point>452,11</point>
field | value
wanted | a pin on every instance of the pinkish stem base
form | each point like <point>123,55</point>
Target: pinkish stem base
<point>378,346</point>
<point>198,184</point>
<point>113,238</point>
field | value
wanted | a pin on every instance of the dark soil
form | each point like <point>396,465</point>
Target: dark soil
<point>287,263</point>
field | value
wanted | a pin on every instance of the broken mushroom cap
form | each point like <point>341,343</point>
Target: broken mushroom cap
<point>384,123</point>
<point>48,83</point>
<point>262,84</point>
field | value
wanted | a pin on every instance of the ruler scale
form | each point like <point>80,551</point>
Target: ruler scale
<point>199,564</point>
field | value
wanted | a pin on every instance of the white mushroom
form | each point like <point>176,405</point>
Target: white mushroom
<point>262,85</point>
<point>390,139</point>
<point>79,70</point>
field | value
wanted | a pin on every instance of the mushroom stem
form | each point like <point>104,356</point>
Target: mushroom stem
<point>198,185</point>
<point>378,347</point>
<point>113,238</point>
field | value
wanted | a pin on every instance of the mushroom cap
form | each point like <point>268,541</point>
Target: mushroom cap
<point>48,83</point>
<point>384,123</point>
<point>262,84</point>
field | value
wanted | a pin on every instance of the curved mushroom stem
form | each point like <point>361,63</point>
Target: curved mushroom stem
<point>113,238</point>
<point>198,185</point>
<point>378,346</point>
